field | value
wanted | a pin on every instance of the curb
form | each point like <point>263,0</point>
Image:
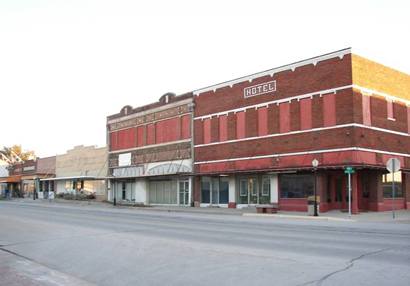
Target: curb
<point>323,218</point>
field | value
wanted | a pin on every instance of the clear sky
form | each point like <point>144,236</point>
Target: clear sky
<point>66,65</point>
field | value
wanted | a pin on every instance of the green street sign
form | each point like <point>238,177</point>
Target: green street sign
<point>349,170</point>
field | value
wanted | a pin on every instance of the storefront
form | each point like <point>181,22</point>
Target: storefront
<point>150,153</point>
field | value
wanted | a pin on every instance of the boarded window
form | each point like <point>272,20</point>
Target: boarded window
<point>140,136</point>
<point>223,128</point>
<point>186,126</point>
<point>150,134</point>
<point>306,113</point>
<point>113,140</point>
<point>329,110</point>
<point>207,131</point>
<point>366,110</point>
<point>240,125</point>
<point>262,121</point>
<point>284,117</point>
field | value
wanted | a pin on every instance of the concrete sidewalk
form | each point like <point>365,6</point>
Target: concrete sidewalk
<point>335,215</point>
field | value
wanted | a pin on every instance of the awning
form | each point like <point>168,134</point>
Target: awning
<point>11,179</point>
<point>84,178</point>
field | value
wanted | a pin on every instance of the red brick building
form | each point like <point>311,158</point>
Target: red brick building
<point>255,137</point>
<point>150,152</point>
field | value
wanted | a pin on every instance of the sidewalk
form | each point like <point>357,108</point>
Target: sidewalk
<point>335,215</point>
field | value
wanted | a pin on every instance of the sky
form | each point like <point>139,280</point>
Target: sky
<point>66,65</point>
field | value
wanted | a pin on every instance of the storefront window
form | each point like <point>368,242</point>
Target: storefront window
<point>223,190</point>
<point>387,185</point>
<point>265,186</point>
<point>295,186</point>
<point>205,190</point>
<point>214,190</point>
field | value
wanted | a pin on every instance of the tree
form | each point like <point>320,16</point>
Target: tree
<point>16,154</point>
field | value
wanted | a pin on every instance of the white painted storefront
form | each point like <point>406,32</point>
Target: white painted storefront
<point>160,183</point>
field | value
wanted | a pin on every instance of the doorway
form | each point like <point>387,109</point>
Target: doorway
<point>184,193</point>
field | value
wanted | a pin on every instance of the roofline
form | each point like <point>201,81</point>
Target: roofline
<point>271,72</point>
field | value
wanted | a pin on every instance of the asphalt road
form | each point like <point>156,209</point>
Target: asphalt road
<point>44,244</point>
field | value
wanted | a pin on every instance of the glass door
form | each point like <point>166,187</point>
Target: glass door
<point>184,193</point>
<point>215,191</point>
<point>248,191</point>
<point>253,191</point>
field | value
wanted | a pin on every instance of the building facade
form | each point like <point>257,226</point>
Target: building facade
<point>150,152</point>
<point>23,178</point>
<point>255,137</point>
<point>81,170</point>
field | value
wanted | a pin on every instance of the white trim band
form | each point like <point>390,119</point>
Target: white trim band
<point>304,153</point>
<point>305,131</point>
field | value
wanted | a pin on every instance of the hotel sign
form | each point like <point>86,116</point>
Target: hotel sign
<point>259,89</point>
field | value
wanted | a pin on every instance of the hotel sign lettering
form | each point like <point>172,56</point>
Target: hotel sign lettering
<point>259,89</point>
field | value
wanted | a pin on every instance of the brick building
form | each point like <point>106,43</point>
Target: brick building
<point>150,152</point>
<point>255,137</point>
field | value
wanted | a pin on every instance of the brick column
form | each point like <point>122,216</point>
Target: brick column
<point>406,189</point>
<point>355,202</point>
<point>376,190</point>
<point>197,191</point>
<point>322,191</point>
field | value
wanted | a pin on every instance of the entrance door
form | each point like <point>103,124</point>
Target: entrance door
<point>248,191</point>
<point>184,193</point>
<point>215,191</point>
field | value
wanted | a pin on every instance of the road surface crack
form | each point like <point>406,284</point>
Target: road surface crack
<point>349,265</point>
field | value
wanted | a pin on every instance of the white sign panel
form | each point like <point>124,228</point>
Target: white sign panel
<point>128,172</point>
<point>393,165</point>
<point>124,159</point>
<point>259,89</point>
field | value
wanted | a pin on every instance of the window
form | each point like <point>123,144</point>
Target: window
<point>388,188</point>
<point>124,193</point>
<point>205,190</point>
<point>243,188</point>
<point>214,190</point>
<point>296,186</point>
<point>223,190</point>
<point>265,186</point>
<point>253,188</point>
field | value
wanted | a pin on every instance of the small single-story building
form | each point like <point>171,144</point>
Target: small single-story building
<point>81,170</point>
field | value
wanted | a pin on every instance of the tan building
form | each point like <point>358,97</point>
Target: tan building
<point>82,170</point>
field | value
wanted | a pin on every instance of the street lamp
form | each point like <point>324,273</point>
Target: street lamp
<point>315,163</point>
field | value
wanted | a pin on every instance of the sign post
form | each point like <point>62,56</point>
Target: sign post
<point>393,166</point>
<point>349,171</point>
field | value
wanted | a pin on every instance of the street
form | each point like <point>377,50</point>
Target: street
<point>50,244</point>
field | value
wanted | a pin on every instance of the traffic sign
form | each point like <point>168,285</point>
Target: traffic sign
<point>349,170</point>
<point>393,165</point>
